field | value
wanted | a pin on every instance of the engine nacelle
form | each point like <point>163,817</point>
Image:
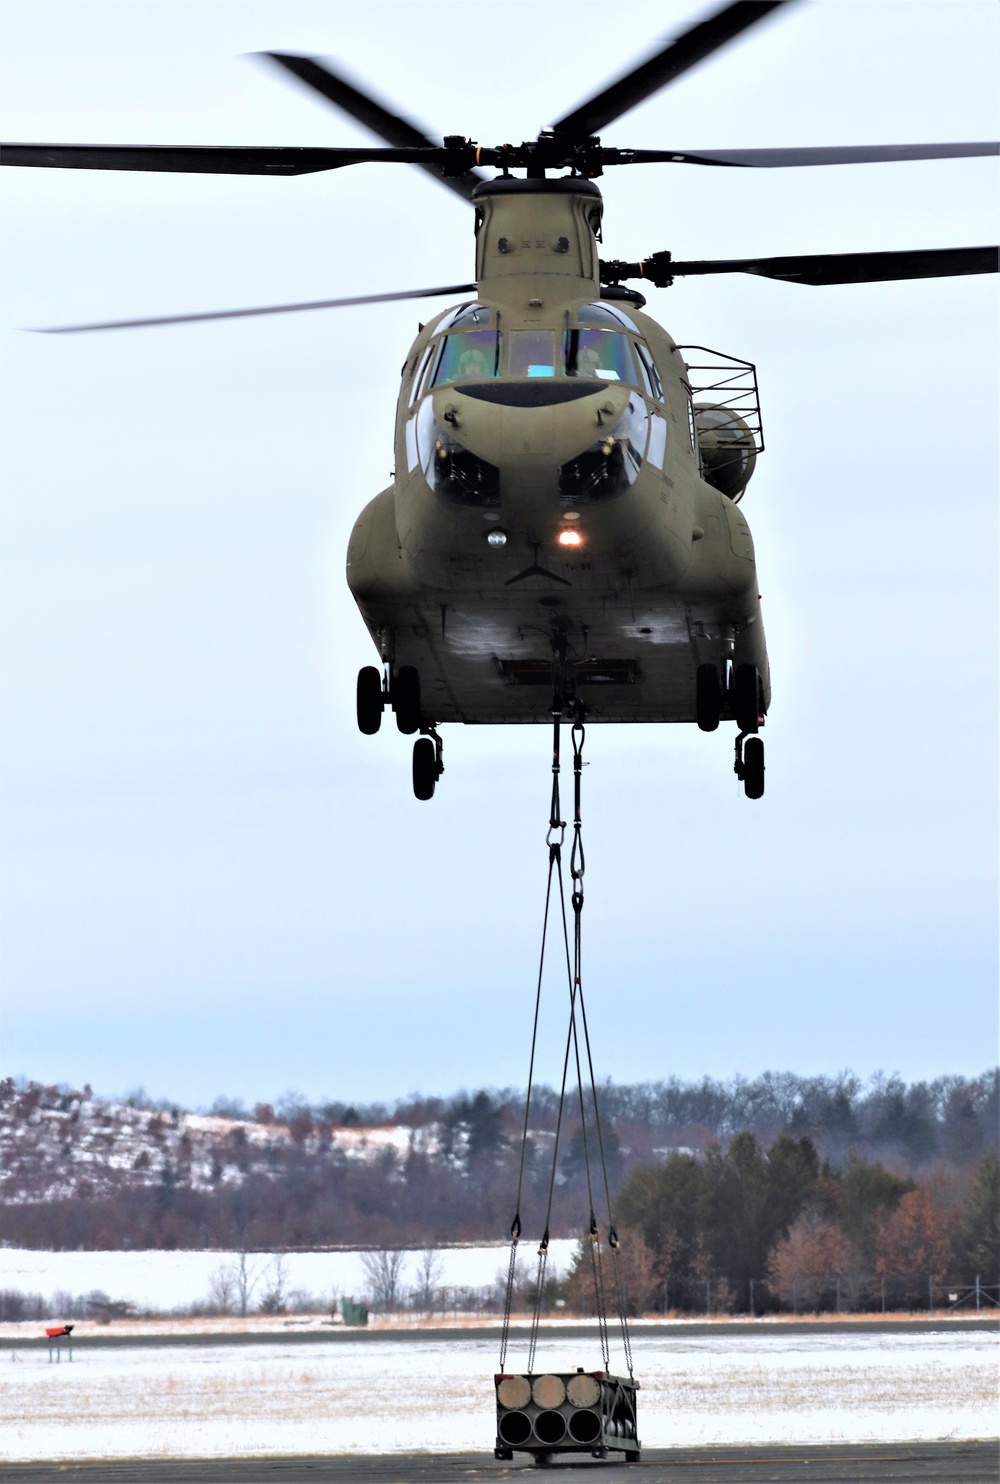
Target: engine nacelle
<point>726,447</point>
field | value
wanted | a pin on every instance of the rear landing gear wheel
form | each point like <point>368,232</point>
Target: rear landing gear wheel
<point>753,768</point>
<point>708,697</point>
<point>425,768</point>
<point>746,697</point>
<point>369,700</point>
<point>406,700</point>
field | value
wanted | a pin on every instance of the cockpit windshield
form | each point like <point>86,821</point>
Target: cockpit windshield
<point>598,353</point>
<point>473,355</point>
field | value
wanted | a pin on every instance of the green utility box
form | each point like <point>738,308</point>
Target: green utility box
<point>353,1313</point>
<point>579,1412</point>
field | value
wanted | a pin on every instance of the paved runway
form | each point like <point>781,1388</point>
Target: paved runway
<point>903,1463</point>
<point>876,1325</point>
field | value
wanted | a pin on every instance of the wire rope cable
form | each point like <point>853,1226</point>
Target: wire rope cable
<point>555,840</point>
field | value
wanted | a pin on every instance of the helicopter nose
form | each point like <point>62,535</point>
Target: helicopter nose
<point>517,430</point>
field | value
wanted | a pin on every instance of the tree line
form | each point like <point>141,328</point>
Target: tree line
<point>748,1230</point>
<point>951,1118</point>
<point>819,1192</point>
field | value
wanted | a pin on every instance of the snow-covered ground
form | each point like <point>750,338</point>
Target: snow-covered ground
<point>163,1281</point>
<point>350,1396</point>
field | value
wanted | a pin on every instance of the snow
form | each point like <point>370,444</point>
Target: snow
<point>53,1143</point>
<point>347,1396</point>
<point>163,1281</point>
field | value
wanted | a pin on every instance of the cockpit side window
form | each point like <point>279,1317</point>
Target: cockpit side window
<point>472,355</point>
<point>650,375</point>
<point>418,375</point>
<point>601,354</point>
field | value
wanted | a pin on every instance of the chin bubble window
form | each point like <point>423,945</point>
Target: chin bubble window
<point>601,354</point>
<point>473,355</point>
<point>610,465</point>
<point>532,353</point>
<point>451,470</point>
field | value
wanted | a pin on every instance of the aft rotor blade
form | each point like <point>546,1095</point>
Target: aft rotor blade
<point>855,267</point>
<point>368,111</point>
<point>835,154</point>
<point>228,160</point>
<point>189,319</point>
<point>683,53</point>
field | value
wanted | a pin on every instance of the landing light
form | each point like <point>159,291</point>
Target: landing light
<point>570,538</point>
<point>497,538</point>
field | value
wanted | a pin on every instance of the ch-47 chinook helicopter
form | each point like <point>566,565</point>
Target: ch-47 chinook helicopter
<point>562,533</point>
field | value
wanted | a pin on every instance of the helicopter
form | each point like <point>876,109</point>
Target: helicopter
<point>562,534</point>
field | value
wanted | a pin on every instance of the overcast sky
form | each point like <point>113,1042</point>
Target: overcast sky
<point>212,883</point>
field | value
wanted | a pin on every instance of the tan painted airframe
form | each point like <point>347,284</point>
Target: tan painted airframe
<point>663,578</point>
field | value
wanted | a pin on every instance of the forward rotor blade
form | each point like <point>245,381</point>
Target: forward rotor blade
<point>836,154</point>
<point>188,319</point>
<point>665,67</point>
<point>229,160</point>
<point>368,111</point>
<point>855,267</point>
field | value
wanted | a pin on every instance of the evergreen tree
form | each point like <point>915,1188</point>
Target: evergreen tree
<point>979,1242</point>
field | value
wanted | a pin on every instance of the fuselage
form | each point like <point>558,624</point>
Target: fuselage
<point>549,481</point>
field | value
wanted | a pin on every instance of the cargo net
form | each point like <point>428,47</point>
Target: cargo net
<point>603,1253</point>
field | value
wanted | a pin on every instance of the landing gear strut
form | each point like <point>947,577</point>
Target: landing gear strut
<point>428,763</point>
<point>400,690</point>
<point>748,704</point>
<point>749,765</point>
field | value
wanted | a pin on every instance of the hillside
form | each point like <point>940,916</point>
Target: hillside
<point>84,1171</point>
<point>58,1145</point>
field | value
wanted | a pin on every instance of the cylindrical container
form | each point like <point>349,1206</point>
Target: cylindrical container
<point>514,1428</point>
<point>584,1426</point>
<point>550,1427</point>
<point>548,1391</point>
<point>583,1390</point>
<point>514,1391</point>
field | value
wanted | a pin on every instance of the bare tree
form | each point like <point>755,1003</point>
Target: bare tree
<point>430,1271</point>
<point>247,1278</point>
<point>222,1288</point>
<point>383,1270</point>
<point>273,1301</point>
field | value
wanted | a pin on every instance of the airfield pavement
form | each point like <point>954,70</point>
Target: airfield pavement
<point>924,1463</point>
<point>827,1401</point>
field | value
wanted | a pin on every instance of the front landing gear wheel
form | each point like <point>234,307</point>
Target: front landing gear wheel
<point>369,700</point>
<point>425,768</point>
<point>708,697</point>
<point>753,768</point>
<point>406,700</point>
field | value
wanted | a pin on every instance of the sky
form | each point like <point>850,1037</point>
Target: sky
<point>211,882</point>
